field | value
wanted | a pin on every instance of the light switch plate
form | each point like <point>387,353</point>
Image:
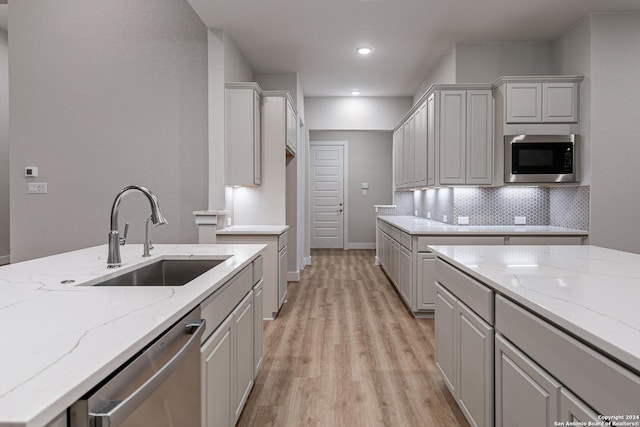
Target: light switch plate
<point>37,188</point>
<point>463,220</point>
<point>520,220</point>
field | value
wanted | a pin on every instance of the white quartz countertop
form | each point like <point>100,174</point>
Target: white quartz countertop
<point>420,226</point>
<point>254,229</point>
<point>58,341</point>
<point>591,292</point>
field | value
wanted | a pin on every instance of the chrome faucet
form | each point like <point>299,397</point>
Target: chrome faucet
<point>157,218</point>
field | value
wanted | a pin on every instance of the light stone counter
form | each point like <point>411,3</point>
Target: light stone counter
<point>58,341</point>
<point>591,292</point>
<point>254,229</point>
<point>420,226</point>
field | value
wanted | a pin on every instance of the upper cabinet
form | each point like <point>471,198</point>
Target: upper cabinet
<point>243,149</point>
<point>536,102</point>
<point>292,129</point>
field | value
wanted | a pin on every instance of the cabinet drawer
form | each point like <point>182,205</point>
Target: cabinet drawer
<point>218,306</point>
<point>282,240</point>
<point>583,370</point>
<point>474,294</point>
<point>425,242</point>
<point>384,227</point>
<point>403,238</point>
<point>258,269</point>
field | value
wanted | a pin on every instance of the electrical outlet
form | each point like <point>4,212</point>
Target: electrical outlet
<point>445,218</point>
<point>228,222</point>
<point>37,188</point>
<point>428,215</point>
<point>415,213</point>
<point>463,220</point>
<point>520,220</point>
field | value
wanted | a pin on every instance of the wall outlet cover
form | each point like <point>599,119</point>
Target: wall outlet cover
<point>445,218</point>
<point>463,220</point>
<point>520,220</point>
<point>415,213</point>
<point>428,215</point>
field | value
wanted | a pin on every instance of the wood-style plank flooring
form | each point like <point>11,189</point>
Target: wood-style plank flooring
<point>344,351</point>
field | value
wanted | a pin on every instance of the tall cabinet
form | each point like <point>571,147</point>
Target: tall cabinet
<point>243,148</point>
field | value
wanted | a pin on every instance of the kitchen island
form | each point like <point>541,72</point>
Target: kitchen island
<point>60,340</point>
<point>554,330</point>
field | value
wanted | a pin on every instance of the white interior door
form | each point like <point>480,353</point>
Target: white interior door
<point>327,196</point>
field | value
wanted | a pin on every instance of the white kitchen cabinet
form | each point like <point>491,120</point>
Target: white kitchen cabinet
<point>542,102</point>
<point>545,240</point>
<point>398,158</point>
<point>466,137</point>
<point>425,282</point>
<point>217,377</point>
<point>420,161</point>
<point>408,153</point>
<point>258,346</point>
<point>282,275</point>
<point>292,128</point>
<point>446,351</point>
<point>405,275</point>
<point>243,148</point>
<point>525,395</point>
<point>573,409</point>
<point>432,120</point>
<point>243,353</point>
<point>475,367</point>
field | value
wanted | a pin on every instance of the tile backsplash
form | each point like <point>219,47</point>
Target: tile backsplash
<point>558,206</point>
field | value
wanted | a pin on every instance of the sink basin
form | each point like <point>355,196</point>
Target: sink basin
<point>164,273</point>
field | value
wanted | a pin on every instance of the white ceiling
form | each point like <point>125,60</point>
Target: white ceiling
<point>318,38</point>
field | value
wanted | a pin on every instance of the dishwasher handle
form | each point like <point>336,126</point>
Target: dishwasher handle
<point>116,412</point>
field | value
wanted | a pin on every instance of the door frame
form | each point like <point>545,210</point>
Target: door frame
<point>345,184</point>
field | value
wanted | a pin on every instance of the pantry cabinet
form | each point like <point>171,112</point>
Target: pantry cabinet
<point>243,147</point>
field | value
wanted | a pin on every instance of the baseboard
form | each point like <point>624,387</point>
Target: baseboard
<point>376,260</point>
<point>293,276</point>
<point>307,260</point>
<point>5,259</point>
<point>362,246</point>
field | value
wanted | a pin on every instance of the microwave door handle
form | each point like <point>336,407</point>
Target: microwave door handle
<point>113,413</point>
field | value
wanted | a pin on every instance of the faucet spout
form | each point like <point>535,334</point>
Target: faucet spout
<point>157,218</point>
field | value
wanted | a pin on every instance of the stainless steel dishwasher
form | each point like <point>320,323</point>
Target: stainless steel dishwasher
<point>159,387</point>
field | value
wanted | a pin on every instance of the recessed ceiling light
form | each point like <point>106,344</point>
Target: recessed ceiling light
<point>355,92</point>
<point>363,50</point>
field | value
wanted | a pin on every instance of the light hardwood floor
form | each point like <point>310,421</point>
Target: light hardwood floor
<point>344,351</point>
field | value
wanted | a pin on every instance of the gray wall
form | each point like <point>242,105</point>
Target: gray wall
<point>369,161</point>
<point>355,113</point>
<point>615,131</point>
<point>105,94</point>
<point>443,73</point>
<point>4,149</point>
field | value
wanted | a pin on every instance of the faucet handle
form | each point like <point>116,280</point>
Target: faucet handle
<point>123,239</point>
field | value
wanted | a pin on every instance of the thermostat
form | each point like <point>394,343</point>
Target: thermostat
<point>31,171</point>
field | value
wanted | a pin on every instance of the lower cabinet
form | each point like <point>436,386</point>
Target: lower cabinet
<point>525,394</point>
<point>257,327</point>
<point>405,275</point>
<point>217,377</point>
<point>464,357</point>
<point>282,276</point>
<point>425,282</point>
<point>243,349</point>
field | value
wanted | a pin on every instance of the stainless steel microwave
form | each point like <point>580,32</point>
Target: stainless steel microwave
<point>540,159</point>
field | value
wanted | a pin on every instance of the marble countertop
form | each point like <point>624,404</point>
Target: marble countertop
<point>420,226</point>
<point>58,341</point>
<point>589,291</point>
<point>254,229</point>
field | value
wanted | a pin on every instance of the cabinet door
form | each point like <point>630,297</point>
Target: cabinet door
<point>432,120</point>
<point>408,153</point>
<point>257,327</point>
<point>525,394</point>
<point>559,102</point>
<point>453,122</point>
<point>257,139</point>
<point>446,338</point>
<point>398,158</point>
<point>425,283</point>
<point>479,149</point>
<point>395,262</point>
<point>574,409</point>
<point>240,136</point>
<point>524,103</point>
<point>291,128</point>
<point>475,367</point>
<point>282,276</point>
<point>420,146</point>
<point>243,351</point>
<point>217,377</point>
<point>405,275</point>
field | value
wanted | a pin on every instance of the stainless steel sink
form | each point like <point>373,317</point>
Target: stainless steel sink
<point>164,273</point>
